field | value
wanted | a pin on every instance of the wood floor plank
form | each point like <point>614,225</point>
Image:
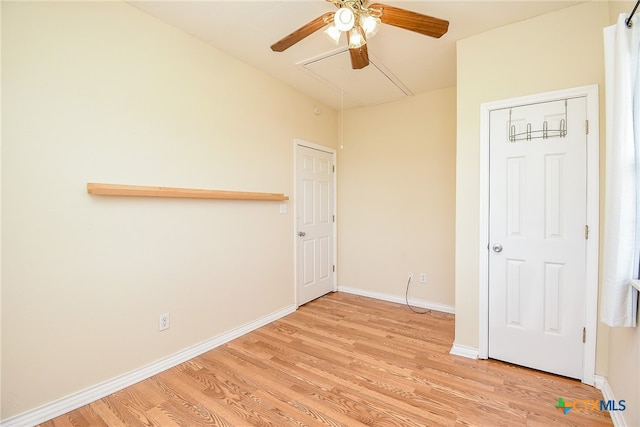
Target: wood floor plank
<point>86,416</point>
<point>61,421</point>
<point>280,384</point>
<point>206,405</point>
<point>343,361</point>
<point>279,403</point>
<point>113,415</point>
<point>165,418</point>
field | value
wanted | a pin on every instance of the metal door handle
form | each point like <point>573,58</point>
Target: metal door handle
<point>497,247</point>
<point>301,233</point>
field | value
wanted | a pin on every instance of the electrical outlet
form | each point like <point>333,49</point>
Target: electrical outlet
<point>410,276</point>
<point>423,277</point>
<point>164,322</point>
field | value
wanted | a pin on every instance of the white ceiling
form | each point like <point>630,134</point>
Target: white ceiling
<point>402,62</point>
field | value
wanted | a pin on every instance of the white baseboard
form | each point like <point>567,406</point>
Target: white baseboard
<point>464,351</point>
<point>599,382</point>
<point>398,299</point>
<point>98,391</point>
<point>602,384</point>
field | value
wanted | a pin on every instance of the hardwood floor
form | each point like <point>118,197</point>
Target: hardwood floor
<point>344,360</point>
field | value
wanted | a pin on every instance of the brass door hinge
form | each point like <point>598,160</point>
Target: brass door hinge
<point>584,335</point>
<point>586,232</point>
<point>586,127</point>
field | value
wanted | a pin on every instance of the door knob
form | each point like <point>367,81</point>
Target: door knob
<point>497,247</point>
<point>301,233</point>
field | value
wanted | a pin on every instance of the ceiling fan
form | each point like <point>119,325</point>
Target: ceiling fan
<point>361,22</point>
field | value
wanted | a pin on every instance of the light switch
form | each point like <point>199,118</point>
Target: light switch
<point>283,208</point>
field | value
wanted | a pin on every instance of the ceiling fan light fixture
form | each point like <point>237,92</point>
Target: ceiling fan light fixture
<point>356,39</point>
<point>344,19</point>
<point>370,25</point>
<point>333,33</point>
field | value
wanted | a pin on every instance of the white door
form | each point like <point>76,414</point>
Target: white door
<point>537,235</point>
<point>315,218</point>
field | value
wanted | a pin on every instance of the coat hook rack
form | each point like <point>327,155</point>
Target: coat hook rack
<point>544,133</point>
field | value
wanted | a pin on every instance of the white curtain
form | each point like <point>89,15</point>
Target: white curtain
<point>621,246</point>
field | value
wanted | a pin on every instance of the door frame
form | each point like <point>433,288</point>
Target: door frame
<point>593,202</point>
<point>297,143</point>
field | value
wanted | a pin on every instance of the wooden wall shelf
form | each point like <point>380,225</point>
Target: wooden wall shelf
<point>190,193</point>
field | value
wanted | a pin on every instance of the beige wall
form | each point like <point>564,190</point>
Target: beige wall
<point>101,92</point>
<point>555,51</point>
<point>396,197</point>
<point>618,7</point>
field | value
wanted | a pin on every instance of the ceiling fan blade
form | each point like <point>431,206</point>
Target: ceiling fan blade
<point>359,57</point>
<point>412,21</point>
<point>302,32</point>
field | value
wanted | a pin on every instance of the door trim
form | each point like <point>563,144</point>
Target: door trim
<point>302,143</point>
<point>593,197</point>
